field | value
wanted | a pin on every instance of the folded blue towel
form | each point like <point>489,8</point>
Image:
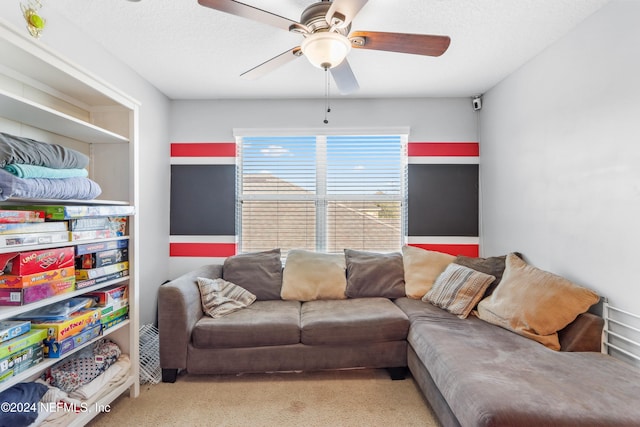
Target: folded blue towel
<point>33,171</point>
<point>76,187</point>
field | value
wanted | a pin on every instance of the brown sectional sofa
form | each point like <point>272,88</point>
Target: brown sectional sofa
<point>476,374</point>
<point>471,372</point>
<point>276,335</point>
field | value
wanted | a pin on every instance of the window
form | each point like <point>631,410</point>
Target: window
<point>321,192</point>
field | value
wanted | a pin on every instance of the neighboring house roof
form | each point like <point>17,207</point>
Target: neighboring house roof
<point>366,225</point>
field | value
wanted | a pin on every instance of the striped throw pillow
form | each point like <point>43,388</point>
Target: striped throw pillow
<point>458,289</point>
<point>220,297</point>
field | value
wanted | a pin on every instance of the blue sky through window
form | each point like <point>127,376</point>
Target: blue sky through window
<point>354,164</point>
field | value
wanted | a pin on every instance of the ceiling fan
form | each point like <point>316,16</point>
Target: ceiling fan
<point>326,28</point>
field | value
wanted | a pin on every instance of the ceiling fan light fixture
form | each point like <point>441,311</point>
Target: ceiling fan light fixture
<point>325,49</point>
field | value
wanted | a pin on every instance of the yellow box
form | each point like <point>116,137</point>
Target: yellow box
<point>58,330</point>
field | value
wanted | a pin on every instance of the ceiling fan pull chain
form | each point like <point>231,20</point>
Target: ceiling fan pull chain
<point>327,104</point>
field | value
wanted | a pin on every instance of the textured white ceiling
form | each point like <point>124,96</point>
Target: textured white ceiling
<point>191,52</point>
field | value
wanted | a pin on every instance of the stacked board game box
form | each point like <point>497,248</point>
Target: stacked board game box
<point>94,273</point>
<point>8,216</point>
<point>102,258</point>
<point>33,262</point>
<point>33,227</point>
<point>24,239</point>
<point>10,329</point>
<point>62,212</point>
<point>110,295</point>
<point>97,227</point>
<point>35,275</point>
<point>21,360</point>
<point>66,345</point>
<point>113,303</point>
<point>22,351</point>
<point>67,324</point>
<point>90,256</point>
<point>34,336</point>
<point>23,230</point>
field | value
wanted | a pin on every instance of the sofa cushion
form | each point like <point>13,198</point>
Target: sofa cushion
<point>458,289</point>
<point>583,334</point>
<point>220,297</point>
<point>416,309</point>
<point>360,320</point>
<point>263,323</point>
<point>311,276</point>
<point>371,274</point>
<point>491,265</point>
<point>259,273</point>
<point>490,376</point>
<point>421,268</point>
<point>535,303</point>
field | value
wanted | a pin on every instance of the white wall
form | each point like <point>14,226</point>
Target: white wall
<point>560,157</point>
<point>439,120</point>
<point>63,37</point>
<point>436,119</point>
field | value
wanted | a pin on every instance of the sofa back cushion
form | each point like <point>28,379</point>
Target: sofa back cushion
<point>259,273</point>
<point>310,276</point>
<point>535,303</point>
<point>491,265</point>
<point>371,274</point>
<point>421,269</point>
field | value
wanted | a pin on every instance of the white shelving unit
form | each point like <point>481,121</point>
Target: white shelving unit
<point>46,97</point>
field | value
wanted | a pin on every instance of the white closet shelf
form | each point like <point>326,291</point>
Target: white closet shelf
<point>40,116</point>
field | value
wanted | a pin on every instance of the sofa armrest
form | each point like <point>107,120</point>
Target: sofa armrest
<point>179,308</point>
<point>583,334</point>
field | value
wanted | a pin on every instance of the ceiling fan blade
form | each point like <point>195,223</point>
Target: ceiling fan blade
<point>249,12</point>
<point>345,10</point>
<point>273,63</point>
<point>345,79</point>
<point>418,44</point>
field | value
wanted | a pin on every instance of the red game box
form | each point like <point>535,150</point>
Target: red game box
<point>110,295</point>
<point>34,262</point>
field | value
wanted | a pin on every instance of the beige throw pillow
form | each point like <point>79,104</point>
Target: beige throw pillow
<point>535,303</point>
<point>309,276</point>
<point>421,269</point>
<point>220,297</point>
<point>458,289</point>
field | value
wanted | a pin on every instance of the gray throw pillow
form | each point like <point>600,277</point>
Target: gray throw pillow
<point>259,273</point>
<point>371,274</point>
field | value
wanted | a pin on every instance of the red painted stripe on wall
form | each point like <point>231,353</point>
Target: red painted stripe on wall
<point>452,249</point>
<point>440,149</point>
<point>220,250</point>
<point>203,149</point>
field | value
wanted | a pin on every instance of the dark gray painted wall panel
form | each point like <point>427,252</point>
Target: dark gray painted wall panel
<point>203,200</point>
<point>443,200</point>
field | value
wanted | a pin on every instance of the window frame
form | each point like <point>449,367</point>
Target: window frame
<point>321,196</point>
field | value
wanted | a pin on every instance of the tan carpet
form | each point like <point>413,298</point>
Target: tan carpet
<point>334,398</point>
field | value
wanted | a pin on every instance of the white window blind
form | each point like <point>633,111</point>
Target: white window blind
<point>321,192</point>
